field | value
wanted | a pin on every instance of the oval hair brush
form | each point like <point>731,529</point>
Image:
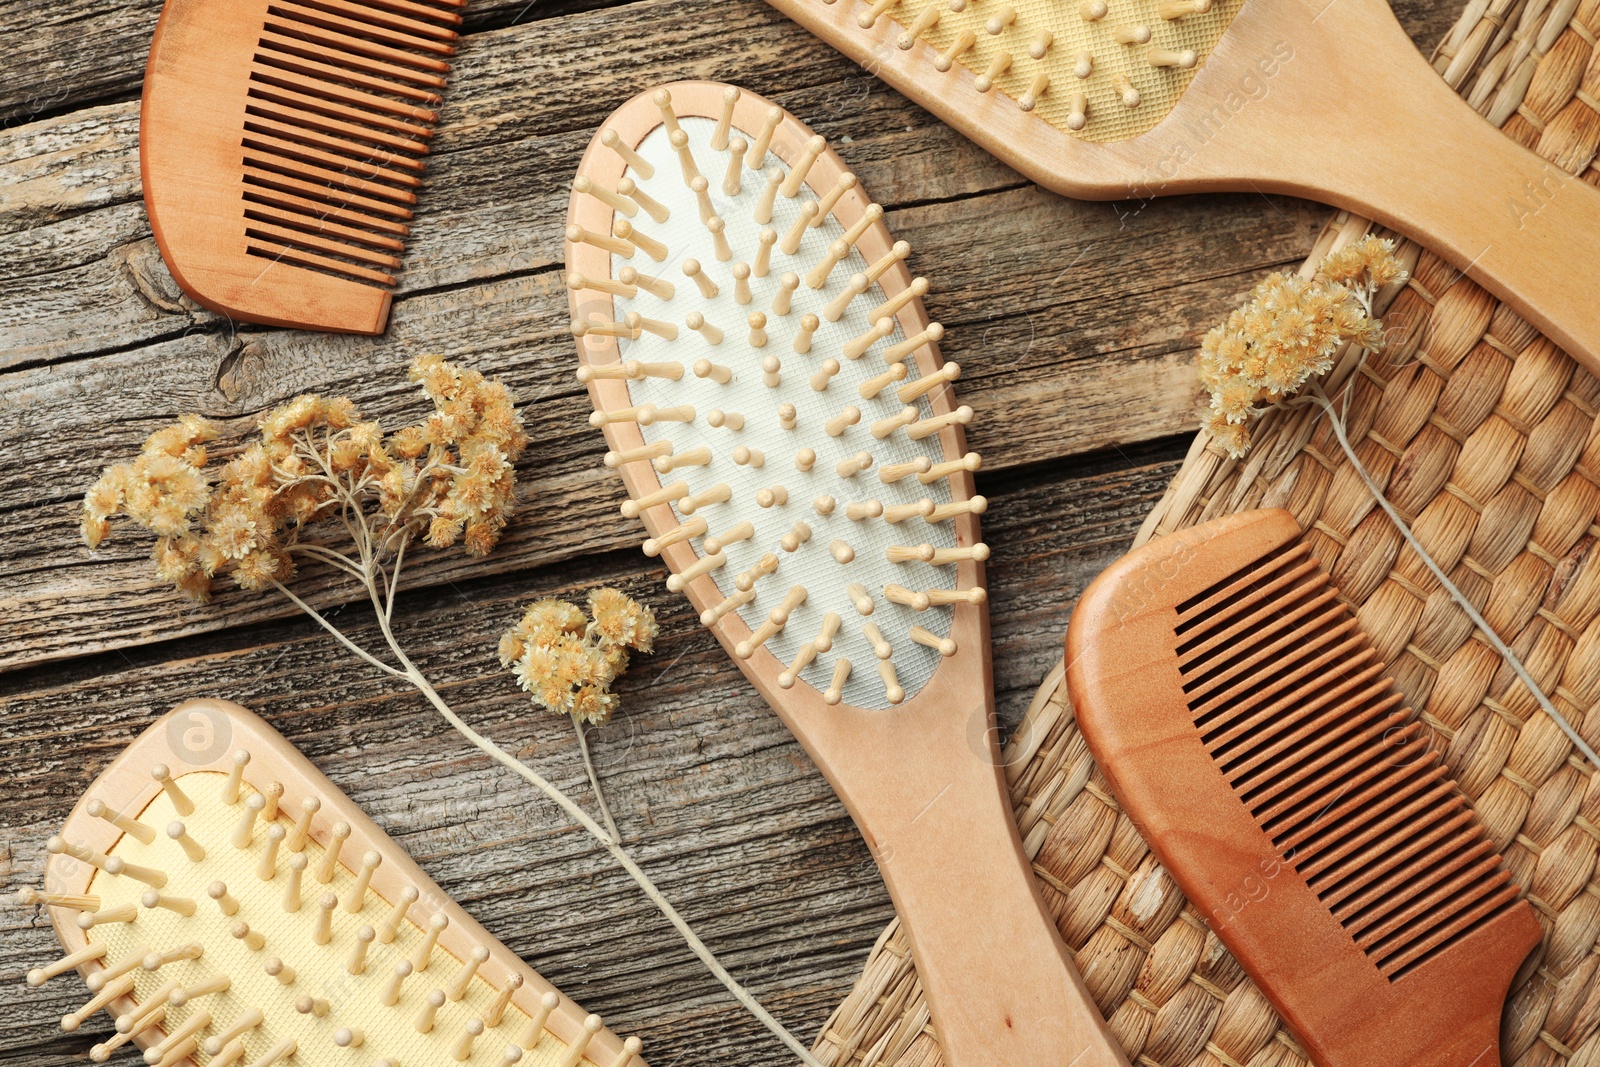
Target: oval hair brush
<point>1254,738</point>
<point>281,146</point>
<point>771,390</point>
<point>228,905</point>
<point>1325,99</point>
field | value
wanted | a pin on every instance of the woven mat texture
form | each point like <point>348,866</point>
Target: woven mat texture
<point>1485,437</point>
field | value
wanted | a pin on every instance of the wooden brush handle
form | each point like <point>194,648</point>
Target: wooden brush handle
<point>1387,137</point>
<point>999,982</point>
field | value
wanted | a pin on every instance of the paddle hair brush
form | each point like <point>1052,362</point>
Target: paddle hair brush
<point>281,146</point>
<point>1251,734</point>
<point>771,390</point>
<point>228,905</point>
<point>1324,99</point>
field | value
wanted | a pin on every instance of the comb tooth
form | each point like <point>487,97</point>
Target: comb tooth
<point>945,646</point>
<point>1407,810</point>
<point>1350,875</point>
<point>1262,788</point>
<point>1302,611</point>
<point>397,979</point>
<point>350,137</point>
<point>245,1023</point>
<point>345,41</point>
<point>332,97</point>
<point>1214,686</point>
<point>758,151</point>
<point>288,254</point>
<point>1294,735</point>
<point>534,1031</point>
<point>1380,914</point>
<point>346,187</point>
<point>429,1014</point>
<point>835,690</point>
<point>291,144</point>
<point>349,1037</point>
<point>502,1000</point>
<point>111,991</point>
<point>1437,909</point>
<point>385,26</point>
<point>1247,612</point>
<point>1395,966</point>
<point>294,226</point>
<point>1383,790</point>
<point>271,188</point>
<point>898,353</point>
<point>217,983</point>
<point>962,44</point>
<point>1299,670</point>
<point>424,952</point>
<point>1278,696</point>
<point>1218,599</point>
<point>295,61</point>
<point>180,800</point>
<point>719,136</point>
<point>1352,899</point>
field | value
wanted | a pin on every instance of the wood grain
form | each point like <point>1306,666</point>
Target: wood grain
<point>1074,324</point>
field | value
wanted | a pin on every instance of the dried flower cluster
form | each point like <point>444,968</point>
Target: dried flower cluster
<point>567,661</point>
<point>448,478</point>
<point>1290,331</point>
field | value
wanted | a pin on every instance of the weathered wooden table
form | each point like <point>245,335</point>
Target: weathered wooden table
<point>1075,324</point>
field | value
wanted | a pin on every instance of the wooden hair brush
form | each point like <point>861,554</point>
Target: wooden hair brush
<point>227,904</point>
<point>1253,737</point>
<point>281,146</point>
<point>1326,99</point>
<point>771,389</point>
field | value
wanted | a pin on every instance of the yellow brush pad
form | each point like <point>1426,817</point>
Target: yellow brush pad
<point>1109,119</point>
<point>321,970</point>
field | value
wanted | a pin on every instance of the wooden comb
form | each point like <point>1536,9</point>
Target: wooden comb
<point>227,904</point>
<point>1252,735</point>
<point>772,393</point>
<point>1324,99</point>
<point>281,144</point>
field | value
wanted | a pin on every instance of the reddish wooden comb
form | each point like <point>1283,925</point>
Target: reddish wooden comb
<point>281,145</point>
<point>1252,734</point>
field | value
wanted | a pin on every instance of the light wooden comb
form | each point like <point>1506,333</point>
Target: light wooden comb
<point>1252,735</point>
<point>771,389</point>
<point>227,904</point>
<point>281,146</point>
<point>1325,99</point>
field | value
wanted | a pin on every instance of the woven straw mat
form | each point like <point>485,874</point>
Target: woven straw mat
<point>1485,437</point>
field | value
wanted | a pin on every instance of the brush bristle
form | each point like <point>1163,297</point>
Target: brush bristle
<point>1102,70</point>
<point>243,932</point>
<point>763,356</point>
<point>1296,710</point>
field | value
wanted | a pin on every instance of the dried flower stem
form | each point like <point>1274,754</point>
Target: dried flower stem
<point>1336,421</point>
<point>612,844</point>
<point>383,607</point>
<point>594,779</point>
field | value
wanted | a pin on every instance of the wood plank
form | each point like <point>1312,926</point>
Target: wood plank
<point>717,801</point>
<point>94,50</point>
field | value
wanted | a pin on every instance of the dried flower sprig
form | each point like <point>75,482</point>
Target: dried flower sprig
<point>1274,352</point>
<point>567,662</point>
<point>446,479</point>
<point>323,484</point>
<point>1290,331</point>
